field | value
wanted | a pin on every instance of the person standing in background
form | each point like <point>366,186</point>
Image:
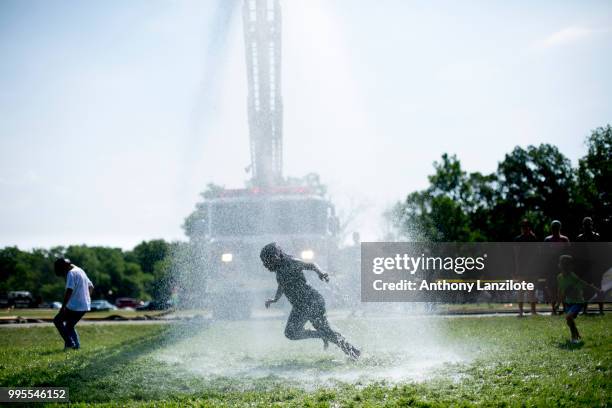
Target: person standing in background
<point>589,235</point>
<point>522,268</point>
<point>526,234</point>
<point>77,301</point>
<point>555,236</point>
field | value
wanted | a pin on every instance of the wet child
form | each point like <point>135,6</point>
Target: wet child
<point>570,288</point>
<point>307,304</point>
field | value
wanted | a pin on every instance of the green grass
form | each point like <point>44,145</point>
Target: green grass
<point>498,308</point>
<point>130,314</point>
<point>516,362</point>
<point>50,313</point>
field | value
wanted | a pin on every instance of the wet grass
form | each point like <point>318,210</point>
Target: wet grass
<point>517,362</point>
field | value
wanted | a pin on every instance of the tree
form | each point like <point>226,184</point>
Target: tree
<point>29,270</point>
<point>533,180</point>
<point>537,183</point>
<point>155,259</point>
<point>196,223</point>
<point>144,272</point>
<point>453,208</point>
<point>594,179</point>
<point>149,253</point>
<point>113,274</point>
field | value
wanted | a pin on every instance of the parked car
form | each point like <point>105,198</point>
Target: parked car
<point>124,302</point>
<point>102,305</point>
<point>4,302</point>
<point>56,305</point>
<point>155,305</point>
<point>21,299</point>
<point>51,305</point>
<point>146,305</point>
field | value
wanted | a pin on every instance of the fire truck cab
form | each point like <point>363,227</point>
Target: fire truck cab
<point>238,223</point>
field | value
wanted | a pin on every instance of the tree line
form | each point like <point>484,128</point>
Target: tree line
<point>537,183</point>
<point>143,272</point>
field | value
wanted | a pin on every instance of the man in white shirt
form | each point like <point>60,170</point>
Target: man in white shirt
<point>76,302</point>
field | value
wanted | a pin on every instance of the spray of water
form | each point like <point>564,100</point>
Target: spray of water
<point>395,349</point>
<point>219,277</point>
<point>400,342</point>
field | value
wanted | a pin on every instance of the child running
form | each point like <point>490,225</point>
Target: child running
<point>307,303</point>
<point>570,293</point>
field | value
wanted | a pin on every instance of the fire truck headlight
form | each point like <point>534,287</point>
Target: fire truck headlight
<point>307,254</point>
<point>227,257</point>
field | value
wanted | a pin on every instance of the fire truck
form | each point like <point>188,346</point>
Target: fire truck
<point>241,222</point>
<point>235,224</point>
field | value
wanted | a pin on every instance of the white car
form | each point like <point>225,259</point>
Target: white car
<point>100,305</point>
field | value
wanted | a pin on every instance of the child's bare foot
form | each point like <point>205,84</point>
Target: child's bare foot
<point>354,353</point>
<point>351,351</point>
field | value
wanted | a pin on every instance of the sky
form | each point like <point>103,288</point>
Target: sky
<point>114,115</point>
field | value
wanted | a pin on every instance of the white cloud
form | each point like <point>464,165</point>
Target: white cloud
<point>566,36</point>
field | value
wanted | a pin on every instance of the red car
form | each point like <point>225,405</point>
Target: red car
<point>128,302</point>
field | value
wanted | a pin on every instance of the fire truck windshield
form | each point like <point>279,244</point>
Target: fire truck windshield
<point>269,217</point>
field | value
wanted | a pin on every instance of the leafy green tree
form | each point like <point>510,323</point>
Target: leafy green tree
<point>537,183</point>
<point>143,273</point>
<point>453,208</point>
<point>196,223</point>
<point>155,258</point>
<point>533,180</point>
<point>30,271</point>
<point>594,180</point>
<point>113,276</point>
<point>149,253</point>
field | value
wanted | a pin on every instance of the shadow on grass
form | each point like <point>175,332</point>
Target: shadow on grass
<point>568,345</point>
<point>103,374</point>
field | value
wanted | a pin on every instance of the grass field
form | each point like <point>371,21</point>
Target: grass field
<point>131,314</point>
<point>50,313</point>
<point>502,361</point>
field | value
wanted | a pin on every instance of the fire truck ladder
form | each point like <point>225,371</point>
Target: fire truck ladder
<point>262,36</point>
